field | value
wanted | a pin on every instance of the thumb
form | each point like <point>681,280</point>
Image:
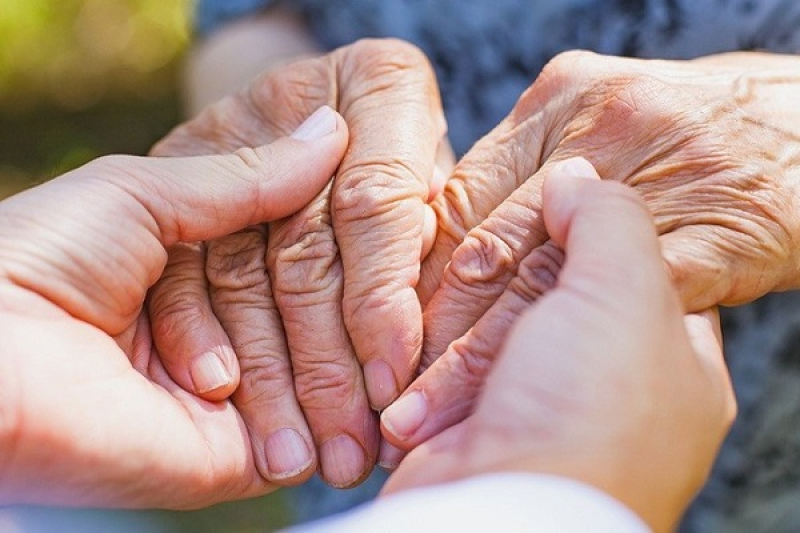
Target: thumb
<point>201,198</point>
<point>96,254</point>
<point>604,228</point>
<point>613,275</point>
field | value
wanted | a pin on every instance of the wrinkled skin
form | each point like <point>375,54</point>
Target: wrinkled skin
<point>89,415</point>
<point>711,145</point>
<point>604,380</point>
<point>301,306</point>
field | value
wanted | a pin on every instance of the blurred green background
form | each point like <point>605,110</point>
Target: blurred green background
<point>78,79</point>
<point>81,78</point>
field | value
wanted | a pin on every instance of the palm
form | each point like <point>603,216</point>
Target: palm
<point>134,404</point>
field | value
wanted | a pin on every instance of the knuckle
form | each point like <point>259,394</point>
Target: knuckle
<point>301,87</point>
<point>221,128</point>
<point>571,61</point>
<point>237,262</point>
<point>563,71</point>
<point>306,266</point>
<point>328,385</point>
<point>393,55</point>
<point>177,315</point>
<point>475,354</point>
<point>483,263</point>
<point>365,301</point>
<point>376,188</point>
<point>538,272</point>
<point>265,378</point>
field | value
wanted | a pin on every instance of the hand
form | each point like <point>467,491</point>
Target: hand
<point>603,380</point>
<point>89,416</point>
<point>712,147</point>
<point>331,287</point>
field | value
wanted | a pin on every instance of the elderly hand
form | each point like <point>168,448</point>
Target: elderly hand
<point>603,380</point>
<point>713,147</point>
<point>303,302</point>
<point>89,416</point>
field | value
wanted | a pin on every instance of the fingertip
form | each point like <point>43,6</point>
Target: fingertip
<point>322,122</point>
<point>213,376</point>
<point>560,193</point>
<point>381,384</point>
<point>405,416</point>
<point>289,457</point>
<point>389,456</point>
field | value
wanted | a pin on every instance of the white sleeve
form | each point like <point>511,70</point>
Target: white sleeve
<point>499,502</point>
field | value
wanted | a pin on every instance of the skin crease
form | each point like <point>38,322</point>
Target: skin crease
<point>603,380</point>
<point>711,145</point>
<point>89,415</point>
<point>299,307</point>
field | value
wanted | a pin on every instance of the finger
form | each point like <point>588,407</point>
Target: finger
<point>493,169</point>
<point>596,232</point>
<point>229,192</point>
<point>447,391</point>
<point>192,343</point>
<point>705,336</point>
<point>241,296</point>
<point>304,264</point>
<point>196,350</point>
<point>600,225</point>
<point>378,207</point>
<point>692,259</point>
<point>390,456</point>
<point>428,231</point>
<point>481,267</point>
<point>170,200</point>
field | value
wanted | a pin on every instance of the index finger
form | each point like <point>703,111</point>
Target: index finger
<point>393,109</point>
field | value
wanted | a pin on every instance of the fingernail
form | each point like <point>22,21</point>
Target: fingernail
<point>405,416</point>
<point>287,453</point>
<point>380,383</point>
<point>389,456</point>
<point>342,460</point>
<point>209,373</point>
<point>319,124</point>
<point>575,167</point>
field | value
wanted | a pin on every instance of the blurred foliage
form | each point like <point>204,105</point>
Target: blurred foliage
<point>76,53</point>
<point>82,78</point>
<point>79,79</point>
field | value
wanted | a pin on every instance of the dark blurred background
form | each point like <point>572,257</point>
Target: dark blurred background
<point>79,79</point>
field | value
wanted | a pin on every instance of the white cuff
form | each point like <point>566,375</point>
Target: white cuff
<point>500,502</point>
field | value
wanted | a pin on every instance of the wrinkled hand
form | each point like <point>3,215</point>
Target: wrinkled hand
<point>89,416</point>
<point>603,380</point>
<point>713,147</point>
<point>303,302</point>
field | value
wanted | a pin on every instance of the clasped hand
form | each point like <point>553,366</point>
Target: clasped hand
<point>312,322</point>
